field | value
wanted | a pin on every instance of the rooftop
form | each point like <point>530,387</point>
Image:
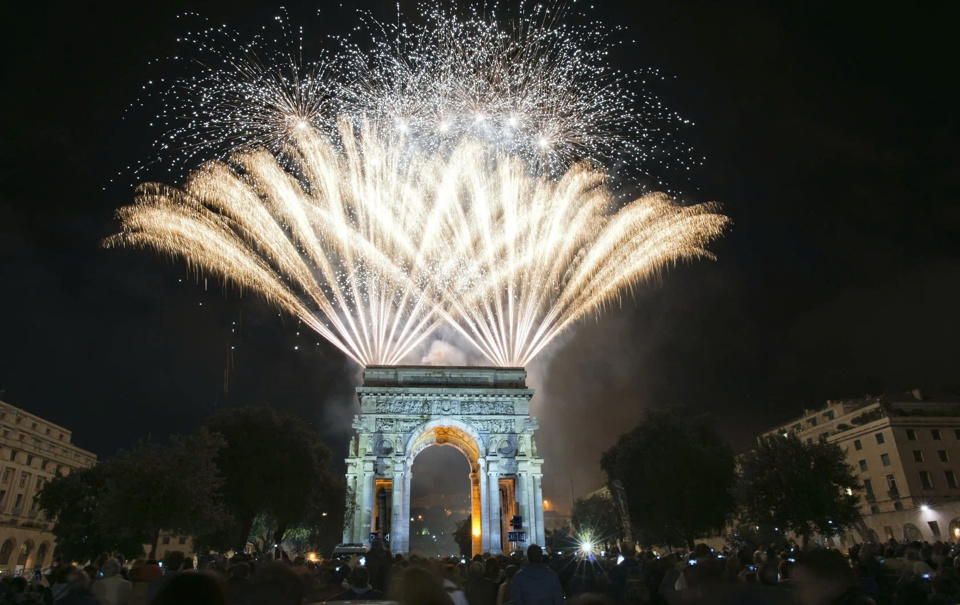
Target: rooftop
<point>429,376</point>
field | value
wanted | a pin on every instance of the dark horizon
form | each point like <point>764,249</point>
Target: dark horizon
<point>830,137</point>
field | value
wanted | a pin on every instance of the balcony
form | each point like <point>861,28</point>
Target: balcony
<point>894,493</point>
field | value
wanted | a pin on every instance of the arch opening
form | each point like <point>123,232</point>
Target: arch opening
<point>440,500</point>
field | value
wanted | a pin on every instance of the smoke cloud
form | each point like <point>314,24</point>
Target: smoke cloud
<point>442,353</point>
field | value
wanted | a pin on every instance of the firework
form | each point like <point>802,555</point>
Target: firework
<point>533,83</point>
<point>240,95</point>
<point>374,248</point>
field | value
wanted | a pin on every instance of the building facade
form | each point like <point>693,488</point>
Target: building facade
<point>906,451</point>
<point>32,451</point>
<point>482,412</point>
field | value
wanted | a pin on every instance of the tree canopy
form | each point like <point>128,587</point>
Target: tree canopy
<point>598,519</point>
<point>788,485</point>
<point>676,473</point>
<point>73,501</point>
<point>274,464</point>
<point>152,488</point>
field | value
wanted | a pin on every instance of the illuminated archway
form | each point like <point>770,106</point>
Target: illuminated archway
<point>460,438</point>
<point>482,412</point>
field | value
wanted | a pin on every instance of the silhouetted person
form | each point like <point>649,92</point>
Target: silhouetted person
<point>112,589</point>
<point>360,589</point>
<point>536,584</point>
<point>417,586</point>
<point>192,588</point>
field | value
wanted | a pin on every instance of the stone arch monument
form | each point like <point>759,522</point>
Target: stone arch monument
<point>483,412</point>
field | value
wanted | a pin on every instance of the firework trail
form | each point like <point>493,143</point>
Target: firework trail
<point>373,247</point>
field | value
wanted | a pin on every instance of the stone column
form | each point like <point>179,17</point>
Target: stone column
<point>369,480</point>
<point>522,505</point>
<point>396,508</point>
<point>493,493</point>
<point>475,512</point>
<point>351,508</point>
<point>538,505</point>
<point>484,506</point>
<point>405,523</point>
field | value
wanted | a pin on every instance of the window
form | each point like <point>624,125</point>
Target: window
<point>885,459</point>
<point>3,494</point>
<point>892,482</point>
<point>951,479</point>
<point>35,426</point>
<point>3,415</point>
<point>857,445</point>
<point>166,539</point>
<point>956,433</point>
<point>874,510</point>
<point>39,483</point>
<point>917,456</point>
<point>828,414</point>
<point>799,427</point>
<point>43,465</point>
<point>61,436</point>
<point>911,435</point>
<point>23,478</point>
<point>925,480</point>
<point>23,437</point>
<point>183,540</point>
<point>29,459</point>
<point>13,455</point>
<point>898,505</point>
<point>868,487</point>
<point>58,468</point>
<point>18,501</point>
<point>863,465</point>
<point>6,433</point>
<point>943,455</point>
<point>934,528</point>
<point>18,420</point>
<point>48,430</point>
<point>812,421</point>
<point>6,475</point>
<point>935,433</point>
<point>879,437</point>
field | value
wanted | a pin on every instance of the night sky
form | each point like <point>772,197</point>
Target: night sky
<point>831,139</point>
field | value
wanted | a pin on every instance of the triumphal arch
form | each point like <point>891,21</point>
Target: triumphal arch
<point>482,411</point>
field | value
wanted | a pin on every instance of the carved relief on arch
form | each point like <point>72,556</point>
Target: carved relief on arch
<point>450,434</point>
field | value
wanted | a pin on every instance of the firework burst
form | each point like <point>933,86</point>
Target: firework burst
<point>374,248</point>
<point>240,95</point>
<point>535,82</point>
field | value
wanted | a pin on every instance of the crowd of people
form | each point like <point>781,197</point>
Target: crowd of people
<point>870,574</point>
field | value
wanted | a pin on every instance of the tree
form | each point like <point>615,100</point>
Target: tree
<point>72,502</point>
<point>152,488</point>
<point>789,485</point>
<point>597,518</point>
<point>676,474</point>
<point>273,464</point>
<point>463,536</point>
